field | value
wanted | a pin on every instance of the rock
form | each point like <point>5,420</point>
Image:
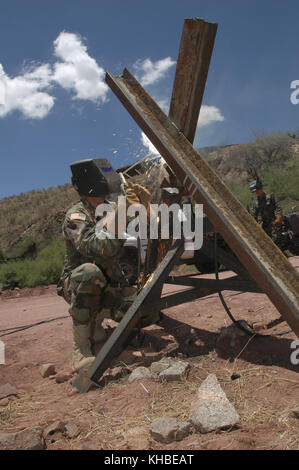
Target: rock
<point>137,438</point>
<point>167,430</point>
<point>163,364</point>
<point>212,410</point>
<point>177,371</point>
<point>29,439</point>
<point>60,378</point>
<point>7,390</point>
<point>183,430</point>
<point>170,369</point>
<point>4,402</point>
<point>57,426</point>
<point>71,430</point>
<point>47,369</point>
<point>296,412</point>
<point>140,373</point>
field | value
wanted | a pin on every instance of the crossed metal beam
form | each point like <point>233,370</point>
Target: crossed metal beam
<point>173,136</point>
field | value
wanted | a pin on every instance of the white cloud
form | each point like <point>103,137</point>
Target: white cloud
<point>164,105</point>
<point>147,144</point>
<point>78,71</point>
<point>149,72</point>
<point>24,92</point>
<point>209,114</point>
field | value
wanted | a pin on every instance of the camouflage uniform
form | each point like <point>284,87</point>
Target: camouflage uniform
<point>265,211</point>
<point>92,278</point>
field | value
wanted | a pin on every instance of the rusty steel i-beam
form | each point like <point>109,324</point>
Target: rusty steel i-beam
<point>192,68</point>
<point>260,256</point>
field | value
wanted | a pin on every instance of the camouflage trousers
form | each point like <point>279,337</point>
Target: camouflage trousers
<point>88,293</point>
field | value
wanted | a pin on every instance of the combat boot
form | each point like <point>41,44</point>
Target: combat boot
<point>82,354</point>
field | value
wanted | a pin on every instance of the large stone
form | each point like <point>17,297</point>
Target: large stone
<point>170,369</point>
<point>140,373</point>
<point>29,439</point>
<point>163,364</point>
<point>212,410</point>
<point>166,429</point>
<point>7,390</point>
<point>47,369</point>
<point>177,371</point>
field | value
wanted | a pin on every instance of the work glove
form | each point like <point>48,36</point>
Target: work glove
<point>137,194</point>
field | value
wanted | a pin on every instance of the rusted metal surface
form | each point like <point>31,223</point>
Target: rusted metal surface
<point>256,251</point>
<point>194,58</point>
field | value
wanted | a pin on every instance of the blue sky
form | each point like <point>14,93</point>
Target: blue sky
<point>57,108</point>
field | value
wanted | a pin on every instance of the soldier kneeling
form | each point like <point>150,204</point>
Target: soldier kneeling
<point>92,278</point>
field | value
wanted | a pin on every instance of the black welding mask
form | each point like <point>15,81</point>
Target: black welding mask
<point>95,177</point>
<point>257,184</point>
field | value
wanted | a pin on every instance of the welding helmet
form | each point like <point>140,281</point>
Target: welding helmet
<point>257,184</point>
<point>95,177</point>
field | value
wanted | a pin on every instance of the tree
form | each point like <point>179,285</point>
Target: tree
<point>266,151</point>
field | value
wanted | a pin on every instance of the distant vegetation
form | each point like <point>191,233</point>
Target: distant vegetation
<point>44,269</point>
<point>31,246</point>
<point>273,158</point>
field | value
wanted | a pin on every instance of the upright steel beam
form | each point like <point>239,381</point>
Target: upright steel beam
<point>256,251</point>
<point>192,67</point>
<point>194,58</point>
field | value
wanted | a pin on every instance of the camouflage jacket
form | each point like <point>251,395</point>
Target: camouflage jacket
<point>84,246</point>
<point>266,209</point>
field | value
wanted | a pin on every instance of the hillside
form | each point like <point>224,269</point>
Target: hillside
<point>36,217</point>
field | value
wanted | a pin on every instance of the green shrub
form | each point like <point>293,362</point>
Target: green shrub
<point>24,247</point>
<point>283,182</point>
<point>44,270</point>
<point>242,193</point>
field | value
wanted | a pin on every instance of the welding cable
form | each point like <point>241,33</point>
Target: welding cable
<point>16,329</point>
<point>226,308</point>
<point>248,331</point>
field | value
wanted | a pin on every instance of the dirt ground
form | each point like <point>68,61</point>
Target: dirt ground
<point>256,374</point>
